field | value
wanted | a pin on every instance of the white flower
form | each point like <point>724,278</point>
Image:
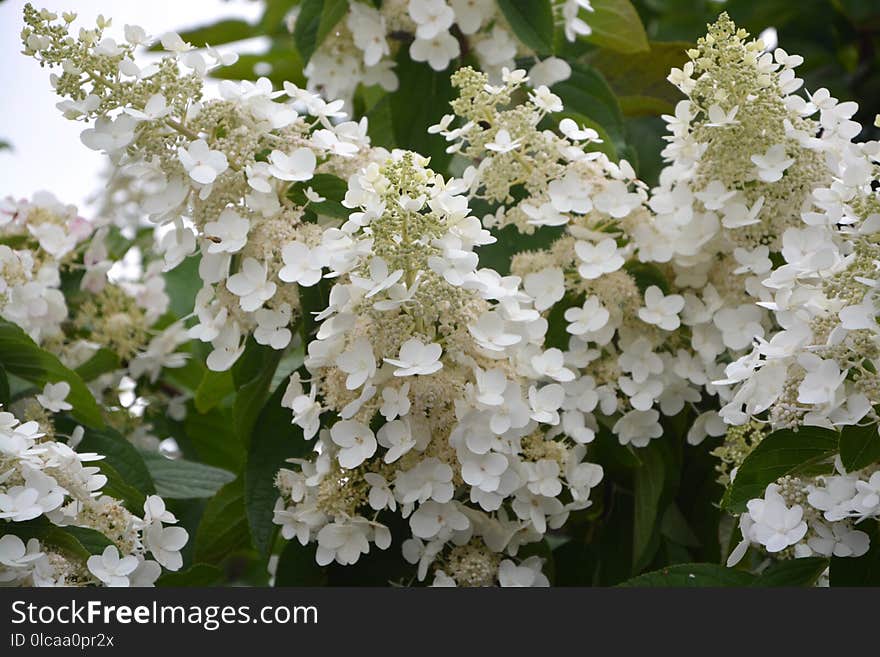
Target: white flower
<point>543,477</point>
<point>548,72</point>
<point>272,326</point>
<point>616,199</point>
<point>302,265</point>
<point>397,438</point>
<point>545,100</point>
<point>772,164</point>
<point>661,310</point>
<point>527,574</point>
<point>110,569</point>
<point>822,380</point>
<point>551,364</point>
<point>343,542</point>
<point>165,544</point>
<point>358,362</point>
<point>53,397</point>
<point>431,16</point>
<point>395,401</point>
<point>154,509</point>
<point>484,470</point>
<point>380,278</point>
<point>155,108</point>
<point>573,131</point>
<point>15,555</point>
<point>250,285</point>
<point>438,51</point>
<point>589,318</point>
<point>111,135</point>
<point>356,440</point>
<point>739,326</point>
<point>433,518</point>
<point>368,29</point>
<point>228,346</point>
<point>429,480</point>
<point>490,331</point>
<point>502,142</point>
<point>638,427</point>
<point>545,403</point>
<point>867,501</point>
<point>738,214</point>
<point>598,259</point>
<point>417,358</point>
<point>574,25</point>
<point>546,287</point>
<point>380,496</point>
<point>471,14</point>
<point>54,239</point>
<point>201,163</point>
<point>297,166</point>
<point>776,526</point>
<point>838,540</point>
<point>228,234</point>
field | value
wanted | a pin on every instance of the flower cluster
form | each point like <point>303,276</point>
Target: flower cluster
<point>620,342</point>
<point>781,204</point>
<point>441,404</point>
<point>48,489</point>
<point>361,48</point>
<point>218,175</point>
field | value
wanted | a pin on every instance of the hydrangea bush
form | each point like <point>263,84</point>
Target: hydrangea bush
<point>320,331</point>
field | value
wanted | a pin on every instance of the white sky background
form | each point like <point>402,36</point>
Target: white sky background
<point>47,153</point>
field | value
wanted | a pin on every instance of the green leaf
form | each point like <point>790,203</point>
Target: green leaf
<point>333,12</point>
<point>675,527</point>
<point>859,446</point>
<point>213,437</point>
<point>616,25</point>
<point>213,389</point>
<point>272,20</point>
<point>200,574</point>
<point>863,570</point>
<point>253,375</point>
<point>274,440</point>
<point>92,540</point>
<point>380,122</point>
<point>128,478</point>
<point>5,393</point>
<point>182,285</point>
<point>181,479</point>
<point>639,79</point>
<point>297,566</point>
<point>692,575</point>
<point>331,187</point>
<point>421,101</point>
<point>649,482</point>
<point>223,528</point>
<point>587,93</point>
<point>19,355</point>
<point>79,541</point>
<point>305,31</point>
<point>793,572</point>
<point>647,274</point>
<point>783,452</point>
<point>315,21</point>
<point>102,362</point>
<point>532,22</point>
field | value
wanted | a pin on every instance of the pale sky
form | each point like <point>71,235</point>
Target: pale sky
<point>47,153</point>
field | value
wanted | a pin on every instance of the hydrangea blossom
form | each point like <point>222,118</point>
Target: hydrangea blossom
<point>44,477</point>
<point>475,459</point>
